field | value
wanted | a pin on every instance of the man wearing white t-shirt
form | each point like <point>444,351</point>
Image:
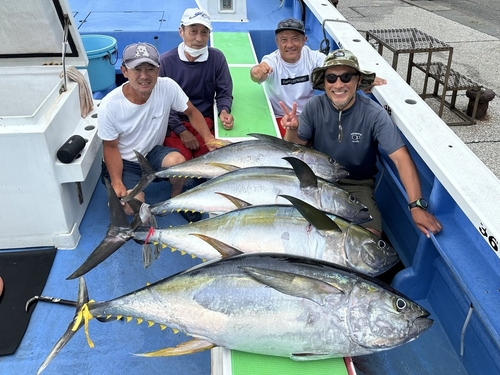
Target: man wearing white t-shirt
<point>135,116</point>
<point>286,71</point>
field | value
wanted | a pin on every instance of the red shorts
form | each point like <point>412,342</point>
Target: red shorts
<point>174,141</point>
<point>281,128</point>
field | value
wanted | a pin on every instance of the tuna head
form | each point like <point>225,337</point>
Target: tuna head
<point>340,202</point>
<point>323,165</point>
<point>382,318</point>
<point>365,251</point>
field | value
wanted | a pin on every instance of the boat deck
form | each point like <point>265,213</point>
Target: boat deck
<point>435,352</point>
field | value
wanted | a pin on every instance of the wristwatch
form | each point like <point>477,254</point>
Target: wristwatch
<point>420,203</point>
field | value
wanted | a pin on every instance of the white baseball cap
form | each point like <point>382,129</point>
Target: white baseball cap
<point>193,16</point>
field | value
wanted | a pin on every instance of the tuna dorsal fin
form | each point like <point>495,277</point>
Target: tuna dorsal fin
<point>293,284</point>
<point>239,203</point>
<point>317,218</point>
<point>226,167</point>
<point>188,347</point>
<point>304,173</point>
<point>275,141</point>
<point>224,249</point>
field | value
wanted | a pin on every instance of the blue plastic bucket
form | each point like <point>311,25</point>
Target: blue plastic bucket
<point>103,54</point>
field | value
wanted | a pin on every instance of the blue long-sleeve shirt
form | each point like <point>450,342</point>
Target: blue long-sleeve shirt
<point>201,81</point>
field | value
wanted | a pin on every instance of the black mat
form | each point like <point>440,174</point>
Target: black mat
<point>24,274</point>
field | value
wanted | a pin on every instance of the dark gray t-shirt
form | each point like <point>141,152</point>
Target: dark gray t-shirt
<point>366,126</point>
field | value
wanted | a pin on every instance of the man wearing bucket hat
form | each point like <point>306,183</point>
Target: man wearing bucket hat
<point>286,71</point>
<point>134,116</point>
<point>192,62</point>
<point>350,128</point>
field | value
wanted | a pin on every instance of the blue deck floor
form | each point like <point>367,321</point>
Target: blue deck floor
<point>115,342</point>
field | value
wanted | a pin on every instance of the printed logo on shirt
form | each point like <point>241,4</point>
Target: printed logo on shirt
<point>356,137</point>
<point>293,81</point>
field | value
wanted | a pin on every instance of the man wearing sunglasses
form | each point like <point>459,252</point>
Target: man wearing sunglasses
<point>286,71</point>
<point>350,128</point>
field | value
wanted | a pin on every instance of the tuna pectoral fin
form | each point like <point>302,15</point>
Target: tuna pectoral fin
<point>224,249</point>
<point>293,284</point>
<point>188,347</point>
<point>226,167</point>
<point>74,326</point>
<point>317,218</point>
<point>239,203</point>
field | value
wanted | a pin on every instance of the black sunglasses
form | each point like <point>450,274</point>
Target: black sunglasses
<point>344,77</point>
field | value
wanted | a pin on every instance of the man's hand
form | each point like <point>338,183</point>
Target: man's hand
<point>290,120</point>
<point>426,222</point>
<point>378,81</point>
<point>259,72</point>
<point>226,119</point>
<point>215,143</point>
<point>189,140</point>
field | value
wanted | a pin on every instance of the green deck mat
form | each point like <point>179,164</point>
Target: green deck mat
<point>252,364</point>
<point>235,46</point>
<point>250,109</point>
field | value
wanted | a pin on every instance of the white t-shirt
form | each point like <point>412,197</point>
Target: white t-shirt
<point>291,82</point>
<point>139,127</point>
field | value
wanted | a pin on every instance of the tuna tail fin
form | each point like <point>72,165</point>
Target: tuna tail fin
<point>148,175</point>
<point>81,318</point>
<point>119,232</point>
<point>188,347</point>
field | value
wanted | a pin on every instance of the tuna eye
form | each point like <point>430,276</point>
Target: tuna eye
<point>400,304</point>
<point>381,244</point>
<point>333,161</point>
<point>352,198</point>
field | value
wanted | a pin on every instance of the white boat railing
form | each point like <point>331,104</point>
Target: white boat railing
<point>474,188</point>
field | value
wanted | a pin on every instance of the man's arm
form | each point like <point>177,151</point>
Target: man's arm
<point>114,165</point>
<point>187,138</point>
<point>408,174</point>
<point>198,122</point>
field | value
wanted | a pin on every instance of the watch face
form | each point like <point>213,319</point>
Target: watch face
<point>422,203</point>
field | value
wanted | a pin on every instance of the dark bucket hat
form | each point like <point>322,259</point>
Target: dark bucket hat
<point>340,57</point>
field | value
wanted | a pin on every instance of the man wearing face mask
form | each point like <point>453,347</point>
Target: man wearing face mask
<point>203,74</point>
<point>350,128</point>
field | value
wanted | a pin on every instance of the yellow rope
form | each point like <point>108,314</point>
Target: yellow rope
<point>84,314</point>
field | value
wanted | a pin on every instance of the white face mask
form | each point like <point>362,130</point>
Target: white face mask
<point>195,52</point>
